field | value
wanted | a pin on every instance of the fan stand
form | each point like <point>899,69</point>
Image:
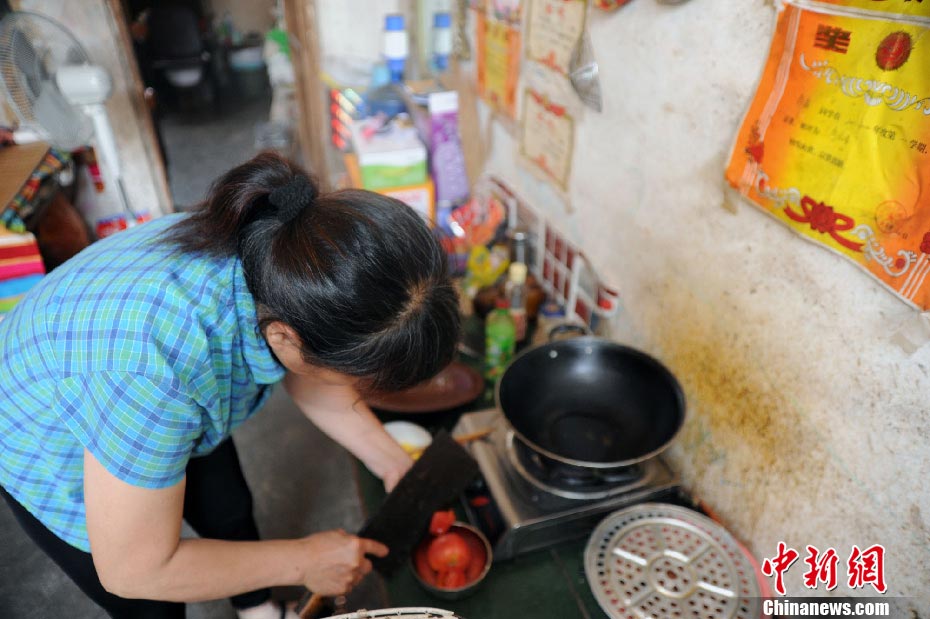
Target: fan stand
<point>107,144</point>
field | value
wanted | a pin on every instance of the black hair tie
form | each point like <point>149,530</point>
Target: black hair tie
<point>292,198</point>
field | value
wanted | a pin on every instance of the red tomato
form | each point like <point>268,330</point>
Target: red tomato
<point>427,573</point>
<point>441,522</point>
<point>452,579</point>
<point>448,551</point>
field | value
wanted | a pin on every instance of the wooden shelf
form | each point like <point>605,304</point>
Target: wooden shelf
<point>16,165</point>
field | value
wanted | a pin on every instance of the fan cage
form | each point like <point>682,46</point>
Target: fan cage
<point>32,49</point>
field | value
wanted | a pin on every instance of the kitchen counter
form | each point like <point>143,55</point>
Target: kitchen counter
<point>546,584</point>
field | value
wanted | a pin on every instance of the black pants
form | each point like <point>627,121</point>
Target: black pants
<point>217,505</point>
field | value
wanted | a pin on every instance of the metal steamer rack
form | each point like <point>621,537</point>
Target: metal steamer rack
<point>660,560</point>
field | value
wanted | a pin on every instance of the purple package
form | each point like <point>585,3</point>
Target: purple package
<point>446,157</point>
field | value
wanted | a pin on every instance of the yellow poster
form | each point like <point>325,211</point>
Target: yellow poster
<point>498,63</point>
<point>894,8</point>
<point>836,143</point>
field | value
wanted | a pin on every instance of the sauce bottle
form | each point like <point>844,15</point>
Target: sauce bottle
<point>499,341</point>
<point>516,294</point>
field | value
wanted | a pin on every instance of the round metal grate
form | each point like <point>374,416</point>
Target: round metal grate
<point>666,562</point>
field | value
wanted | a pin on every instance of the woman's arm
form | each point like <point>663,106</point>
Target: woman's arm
<point>135,542</point>
<point>334,406</point>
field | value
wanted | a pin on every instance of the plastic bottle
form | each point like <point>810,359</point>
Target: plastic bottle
<point>518,246</point>
<point>384,96</point>
<point>600,320</point>
<point>551,315</point>
<point>516,294</point>
<point>500,341</point>
<point>442,40</point>
<point>395,46</point>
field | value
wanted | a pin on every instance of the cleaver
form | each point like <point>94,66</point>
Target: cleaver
<point>438,476</point>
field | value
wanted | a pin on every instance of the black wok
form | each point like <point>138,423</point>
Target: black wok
<point>589,402</point>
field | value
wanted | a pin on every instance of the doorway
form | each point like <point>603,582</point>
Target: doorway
<point>204,66</point>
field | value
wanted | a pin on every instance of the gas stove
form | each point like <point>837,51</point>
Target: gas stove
<point>521,505</point>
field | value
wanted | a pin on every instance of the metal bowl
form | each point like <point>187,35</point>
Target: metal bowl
<point>467,531</point>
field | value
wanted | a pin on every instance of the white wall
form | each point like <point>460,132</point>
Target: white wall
<point>354,29</point>
<point>806,424</point>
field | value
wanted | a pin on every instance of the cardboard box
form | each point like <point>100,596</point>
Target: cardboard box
<point>394,158</point>
<point>419,197</point>
<point>436,114</point>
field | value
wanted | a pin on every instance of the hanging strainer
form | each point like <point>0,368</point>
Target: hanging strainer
<point>665,562</point>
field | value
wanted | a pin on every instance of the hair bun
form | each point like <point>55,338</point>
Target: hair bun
<point>292,198</point>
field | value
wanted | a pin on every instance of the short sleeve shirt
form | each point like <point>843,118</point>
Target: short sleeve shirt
<point>139,353</point>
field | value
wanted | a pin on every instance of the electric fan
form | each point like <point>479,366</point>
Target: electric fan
<point>55,89</point>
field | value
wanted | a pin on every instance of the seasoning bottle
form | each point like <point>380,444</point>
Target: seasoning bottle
<point>551,315</point>
<point>600,319</point>
<point>499,341</point>
<point>395,45</point>
<point>516,294</point>
<point>519,246</point>
<point>442,40</point>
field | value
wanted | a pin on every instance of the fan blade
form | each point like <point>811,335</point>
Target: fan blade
<point>26,61</point>
<point>67,128</point>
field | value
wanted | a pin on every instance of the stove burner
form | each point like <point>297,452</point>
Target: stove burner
<point>519,513</point>
<point>571,482</point>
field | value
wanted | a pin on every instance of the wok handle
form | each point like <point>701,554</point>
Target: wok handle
<point>557,330</point>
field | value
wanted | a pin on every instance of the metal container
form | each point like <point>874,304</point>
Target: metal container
<point>455,594</point>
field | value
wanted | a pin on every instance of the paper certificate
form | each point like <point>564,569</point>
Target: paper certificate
<point>547,139</point>
<point>554,28</point>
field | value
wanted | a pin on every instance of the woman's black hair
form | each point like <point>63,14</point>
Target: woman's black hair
<point>359,276</point>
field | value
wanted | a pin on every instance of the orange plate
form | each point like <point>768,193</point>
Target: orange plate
<point>454,386</point>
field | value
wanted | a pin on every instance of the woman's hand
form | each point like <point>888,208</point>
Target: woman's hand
<point>335,561</point>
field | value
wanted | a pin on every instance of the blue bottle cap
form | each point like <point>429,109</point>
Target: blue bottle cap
<point>393,22</point>
<point>442,20</point>
<point>396,65</point>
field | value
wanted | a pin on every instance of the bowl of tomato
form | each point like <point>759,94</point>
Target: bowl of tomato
<point>452,560</point>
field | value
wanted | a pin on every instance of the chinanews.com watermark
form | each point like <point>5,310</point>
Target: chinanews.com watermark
<point>826,607</point>
<point>859,569</point>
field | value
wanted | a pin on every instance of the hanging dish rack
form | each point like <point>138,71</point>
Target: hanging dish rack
<point>562,269</point>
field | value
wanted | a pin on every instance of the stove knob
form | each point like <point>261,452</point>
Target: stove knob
<point>477,486</point>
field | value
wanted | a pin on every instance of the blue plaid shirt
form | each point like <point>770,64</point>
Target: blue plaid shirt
<point>141,354</point>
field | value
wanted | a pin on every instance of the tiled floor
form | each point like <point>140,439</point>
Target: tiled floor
<point>202,144</point>
<point>302,482</point>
